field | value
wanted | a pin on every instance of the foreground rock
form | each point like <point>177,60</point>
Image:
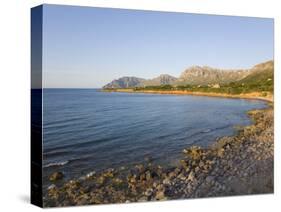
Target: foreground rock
<point>56,176</point>
<point>237,165</point>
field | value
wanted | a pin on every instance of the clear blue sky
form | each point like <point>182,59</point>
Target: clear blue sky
<point>85,47</point>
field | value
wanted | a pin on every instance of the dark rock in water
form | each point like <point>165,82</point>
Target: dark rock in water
<point>56,176</point>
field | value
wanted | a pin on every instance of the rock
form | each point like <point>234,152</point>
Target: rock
<point>191,176</point>
<point>101,180</point>
<point>189,188</point>
<point>187,169</point>
<point>155,184</point>
<point>166,181</point>
<point>201,164</point>
<point>206,167</point>
<point>160,195</point>
<point>133,179</point>
<point>181,176</point>
<point>52,186</point>
<point>140,168</point>
<point>109,173</point>
<point>147,175</point>
<point>91,174</point>
<point>53,191</point>
<point>177,171</point>
<point>118,181</point>
<point>184,164</point>
<point>159,171</point>
<point>220,152</point>
<point>148,192</point>
<point>142,177</point>
<point>210,179</point>
<point>230,163</point>
<point>172,175</point>
<point>160,187</point>
<point>185,151</point>
<point>194,152</point>
<point>147,159</point>
<point>142,199</point>
<point>71,186</point>
<point>56,176</point>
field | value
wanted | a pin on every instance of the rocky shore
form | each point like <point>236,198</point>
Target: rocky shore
<point>237,165</point>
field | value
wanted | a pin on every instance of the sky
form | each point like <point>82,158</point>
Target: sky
<point>86,47</point>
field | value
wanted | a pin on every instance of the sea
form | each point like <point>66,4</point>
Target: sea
<point>87,130</point>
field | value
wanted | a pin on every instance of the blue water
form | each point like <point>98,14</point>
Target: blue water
<point>86,130</point>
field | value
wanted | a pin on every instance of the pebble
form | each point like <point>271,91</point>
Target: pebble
<point>191,176</point>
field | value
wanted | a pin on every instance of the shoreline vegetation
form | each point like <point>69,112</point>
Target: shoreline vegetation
<point>265,95</point>
<point>234,165</point>
<point>254,83</point>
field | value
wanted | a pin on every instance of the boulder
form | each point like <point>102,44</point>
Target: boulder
<point>191,176</point>
<point>160,195</point>
<point>56,176</point>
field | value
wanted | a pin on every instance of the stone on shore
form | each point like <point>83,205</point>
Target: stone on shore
<point>56,176</point>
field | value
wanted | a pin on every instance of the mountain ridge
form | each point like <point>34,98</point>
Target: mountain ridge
<point>199,75</point>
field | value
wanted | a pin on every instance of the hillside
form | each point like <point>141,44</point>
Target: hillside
<point>131,82</point>
<point>163,79</point>
<point>205,75</point>
<point>125,82</point>
<point>206,79</point>
<point>260,73</point>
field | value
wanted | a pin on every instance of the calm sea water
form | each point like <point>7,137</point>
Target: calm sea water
<point>86,130</point>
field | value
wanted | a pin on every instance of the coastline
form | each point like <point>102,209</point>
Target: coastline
<point>254,95</point>
<point>234,165</point>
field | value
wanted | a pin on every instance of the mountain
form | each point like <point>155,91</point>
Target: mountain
<point>129,82</point>
<point>205,75</point>
<point>125,82</point>
<point>163,79</point>
<point>261,73</point>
